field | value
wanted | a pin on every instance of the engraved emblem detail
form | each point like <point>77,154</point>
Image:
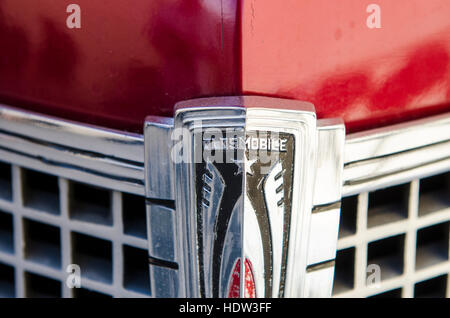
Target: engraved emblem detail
<point>269,191</point>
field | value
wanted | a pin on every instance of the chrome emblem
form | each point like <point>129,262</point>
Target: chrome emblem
<point>219,189</point>
<point>244,176</point>
<point>269,193</point>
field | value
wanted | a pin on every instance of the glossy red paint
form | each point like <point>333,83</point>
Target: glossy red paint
<point>322,51</point>
<point>136,58</point>
<point>130,59</point>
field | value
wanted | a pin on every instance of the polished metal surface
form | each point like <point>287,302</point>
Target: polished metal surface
<point>244,185</point>
<point>397,138</point>
<point>161,232</point>
<point>159,170</point>
<point>396,209</point>
<point>161,228</point>
<point>360,162</point>
<point>302,212</point>
<point>325,215</point>
<point>396,154</point>
<point>55,222</point>
<point>285,251</point>
<point>400,234</point>
<point>202,253</point>
<point>102,157</point>
<point>330,161</point>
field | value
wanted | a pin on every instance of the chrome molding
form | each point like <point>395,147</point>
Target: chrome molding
<point>326,211</point>
<point>159,170</point>
<point>396,154</point>
<point>98,156</point>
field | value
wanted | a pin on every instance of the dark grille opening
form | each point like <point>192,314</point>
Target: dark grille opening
<point>87,293</point>
<point>432,288</point>
<point>6,233</point>
<point>432,245</point>
<point>388,254</point>
<point>40,191</point>
<point>5,182</point>
<point>347,224</point>
<point>37,286</point>
<point>94,256</point>
<point>134,215</point>
<point>395,293</point>
<point>388,205</point>
<point>344,273</point>
<point>7,288</point>
<point>434,194</point>
<point>136,270</point>
<point>90,204</point>
<point>42,243</point>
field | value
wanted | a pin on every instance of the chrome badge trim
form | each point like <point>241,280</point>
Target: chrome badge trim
<point>282,210</point>
<point>204,199</point>
<point>244,177</point>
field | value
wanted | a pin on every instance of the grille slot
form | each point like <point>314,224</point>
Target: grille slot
<point>388,254</point>
<point>94,256</point>
<point>344,270</point>
<point>434,194</point>
<point>7,288</point>
<point>431,288</point>
<point>48,222</point>
<point>396,293</point>
<point>6,233</point>
<point>432,245</point>
<point>348,216</point>
<point>387,206</point>
<point>42,243</point>
<point>87,293</point>
<point>134,217</point>
<point>40,191</point>
<point>136,275</point>
<point>90,204</point>
<point>404,229</point>
<point>38,286</point>
<point>5,181</point>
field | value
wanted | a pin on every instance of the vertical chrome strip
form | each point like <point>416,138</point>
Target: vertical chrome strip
<point>326,212</point>
<point>159,168</point>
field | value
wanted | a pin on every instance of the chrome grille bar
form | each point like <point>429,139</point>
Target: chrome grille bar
<point>36,256</point>
<point>396,154</point>
<point>417,260</point>
<point>99,156</point>
<point>383,159</point>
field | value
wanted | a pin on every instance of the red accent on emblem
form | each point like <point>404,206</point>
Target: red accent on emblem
<point>235,284</point>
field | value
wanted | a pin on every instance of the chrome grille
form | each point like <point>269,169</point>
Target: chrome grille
<point>48,222</point>
<point>395,210</point>
<point>405,230</point>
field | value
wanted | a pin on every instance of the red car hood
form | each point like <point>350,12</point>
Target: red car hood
<point>133,59</point>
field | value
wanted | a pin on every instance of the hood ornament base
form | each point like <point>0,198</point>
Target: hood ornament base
<point>247,174</point>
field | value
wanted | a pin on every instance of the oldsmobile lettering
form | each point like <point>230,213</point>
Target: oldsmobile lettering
<point>250,143</point>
